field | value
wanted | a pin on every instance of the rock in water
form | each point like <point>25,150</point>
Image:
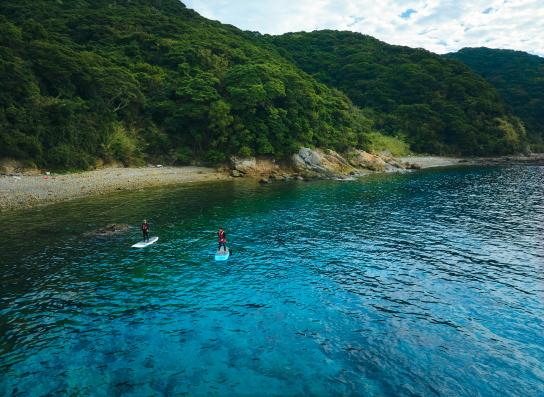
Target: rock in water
<point>109,230</point>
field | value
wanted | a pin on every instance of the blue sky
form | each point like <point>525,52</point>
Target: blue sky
<point>437,25</point>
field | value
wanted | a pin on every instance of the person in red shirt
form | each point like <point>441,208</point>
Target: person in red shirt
<point>222,240</point>
<point>145,230</point>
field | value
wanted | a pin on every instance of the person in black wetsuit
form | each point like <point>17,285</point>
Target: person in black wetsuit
<point>145,230</point>
<point>222,240</point>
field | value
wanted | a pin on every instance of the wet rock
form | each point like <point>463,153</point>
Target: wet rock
<point>264,181</point>
<point>412,166</point>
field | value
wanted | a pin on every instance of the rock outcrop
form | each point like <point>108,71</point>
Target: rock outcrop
<point>365,160</point>
<point>320,163</point>
<point>317,163</point>
<point>243,165</point>
<point>252,166</point>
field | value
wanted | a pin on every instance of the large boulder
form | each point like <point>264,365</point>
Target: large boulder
<point>244,165</point>
<point>320,163</point>
<point>362,159</point>
<point>308,160</point>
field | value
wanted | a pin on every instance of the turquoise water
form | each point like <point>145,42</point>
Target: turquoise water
<point>428,284</point>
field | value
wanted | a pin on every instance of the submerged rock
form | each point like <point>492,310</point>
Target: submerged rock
<point>110,230</point>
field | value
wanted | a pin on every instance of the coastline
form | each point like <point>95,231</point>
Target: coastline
<point>25,191</point>
<point>18,191</point>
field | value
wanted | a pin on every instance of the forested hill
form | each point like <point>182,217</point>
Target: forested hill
<point>94,80</point>
<point>89,81</point>
<point>440,105</point>
<point>519,77</point>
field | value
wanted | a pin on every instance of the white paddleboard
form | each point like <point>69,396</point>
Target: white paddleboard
<point>222,255</point>
<point>143,244</point>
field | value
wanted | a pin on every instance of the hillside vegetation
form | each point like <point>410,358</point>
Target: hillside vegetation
<point>90,81</point>
<point>134,80</point>
<point>441,106</point>
<point>519,77</point>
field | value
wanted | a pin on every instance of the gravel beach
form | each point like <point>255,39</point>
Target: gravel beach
<point>22,191</point>
<point>433,161</point>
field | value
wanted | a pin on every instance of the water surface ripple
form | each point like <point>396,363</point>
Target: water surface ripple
<point>429,284</point>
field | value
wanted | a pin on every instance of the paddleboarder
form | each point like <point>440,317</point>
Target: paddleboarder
<point>222,240</point>
<point>145,230</point>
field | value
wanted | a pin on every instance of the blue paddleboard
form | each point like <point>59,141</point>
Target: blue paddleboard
<point>222,255</point>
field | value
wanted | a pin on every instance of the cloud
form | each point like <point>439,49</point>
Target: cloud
<point>438,25</point>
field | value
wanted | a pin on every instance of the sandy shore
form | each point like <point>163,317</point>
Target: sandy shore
<point>31,190</point>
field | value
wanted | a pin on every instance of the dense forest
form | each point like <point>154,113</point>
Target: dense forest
<point>519,77</point>
<point>439,105</point>
<point>135,80</point>
<point>90,81</point>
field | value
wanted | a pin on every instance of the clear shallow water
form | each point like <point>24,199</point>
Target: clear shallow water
<point>428,284</point>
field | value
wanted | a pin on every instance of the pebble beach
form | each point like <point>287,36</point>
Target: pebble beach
<point>23,191</point>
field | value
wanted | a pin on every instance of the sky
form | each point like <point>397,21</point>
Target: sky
<point>440,26</point>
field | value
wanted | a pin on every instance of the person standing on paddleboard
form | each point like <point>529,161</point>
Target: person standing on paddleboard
<point>222,240</point>
<point>145,230</point>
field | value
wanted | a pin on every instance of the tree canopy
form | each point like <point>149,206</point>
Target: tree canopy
<point>441,106</point>
<point>519,77</point>
<point>85,81</point>
<point>134,80</point>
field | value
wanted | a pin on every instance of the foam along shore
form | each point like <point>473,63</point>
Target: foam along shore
<point>21,191</point>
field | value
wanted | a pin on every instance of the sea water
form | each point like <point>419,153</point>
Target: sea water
<point>422,284</point>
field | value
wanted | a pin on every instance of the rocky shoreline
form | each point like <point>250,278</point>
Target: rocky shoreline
<point>310,164</point>
<point>328,164</point>
<point>24,190</point>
